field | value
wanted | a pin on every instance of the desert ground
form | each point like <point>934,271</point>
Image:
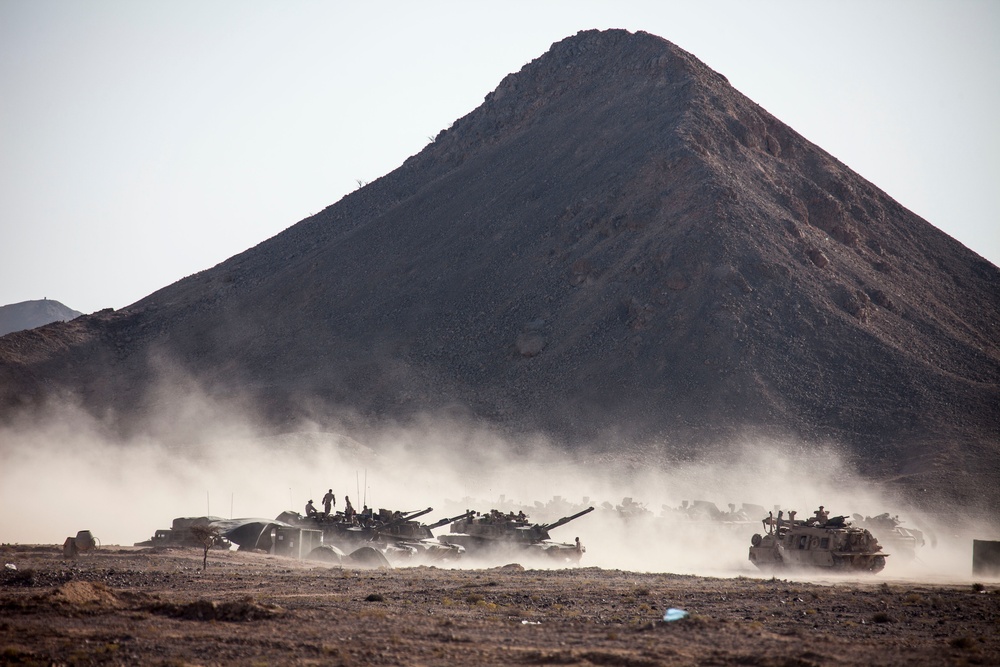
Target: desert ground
<point>132,605</point>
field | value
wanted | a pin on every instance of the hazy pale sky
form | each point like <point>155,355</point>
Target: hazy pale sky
<point>141,142</point>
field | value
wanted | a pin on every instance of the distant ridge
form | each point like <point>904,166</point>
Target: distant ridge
<point>31,314</point>
<point>616,249</point>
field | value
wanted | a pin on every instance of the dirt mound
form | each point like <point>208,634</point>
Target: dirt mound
<point>509,568</point>
<point>83,594</point>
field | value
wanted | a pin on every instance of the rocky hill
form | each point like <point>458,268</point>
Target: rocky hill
<point>618,249</point>
<point>31,314</point>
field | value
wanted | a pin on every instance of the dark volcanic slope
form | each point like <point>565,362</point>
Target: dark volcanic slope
<point>616,241</point>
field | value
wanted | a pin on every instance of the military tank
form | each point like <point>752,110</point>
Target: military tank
<point>904,542</point>
<point>353,532</point>
<point>412,539</point>
<point>817,543</point>
<point>495,532</point>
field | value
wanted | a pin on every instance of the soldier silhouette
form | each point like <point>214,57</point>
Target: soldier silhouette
<point>329,500</point>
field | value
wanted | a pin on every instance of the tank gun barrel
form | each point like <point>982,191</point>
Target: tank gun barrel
<point>566,519</point>
<point>445,522</point>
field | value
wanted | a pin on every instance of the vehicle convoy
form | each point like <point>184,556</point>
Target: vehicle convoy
<point>496,532</point>
<point>819,542</point>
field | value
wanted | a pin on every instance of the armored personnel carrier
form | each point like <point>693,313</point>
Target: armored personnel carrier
<point>498,533</point>
<point>819,543</point>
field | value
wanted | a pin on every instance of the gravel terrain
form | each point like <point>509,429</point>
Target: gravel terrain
<point>144,606</point>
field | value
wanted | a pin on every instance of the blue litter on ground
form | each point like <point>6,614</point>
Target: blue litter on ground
<point>675,614</point>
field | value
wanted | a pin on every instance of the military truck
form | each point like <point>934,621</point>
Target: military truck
<point>183,532</point>
<point>817,543</point>
<point>499,533</point>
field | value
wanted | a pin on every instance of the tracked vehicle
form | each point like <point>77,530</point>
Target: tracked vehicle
<point>904,542</point>
<point>414,539</point>
<point>353,532</point>
<point>818,543</point>
<point>496,533</point>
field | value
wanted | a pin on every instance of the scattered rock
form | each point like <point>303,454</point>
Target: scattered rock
<point>793,229</point>
<point>530,344</point>
<point>857,303</point>
<point>818,257</point>
<point>881,299</point>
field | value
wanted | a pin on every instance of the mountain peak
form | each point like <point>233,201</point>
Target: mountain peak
<point>615,247</point>
<point>31,314</point>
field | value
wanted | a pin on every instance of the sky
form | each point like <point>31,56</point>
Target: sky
<point>141,142</point>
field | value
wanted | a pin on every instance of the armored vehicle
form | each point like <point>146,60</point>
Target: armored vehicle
<point>820,543</point>
<point>498,533</point>
<point>352,532</point>
<point>183,533</point>
<point>411,538</point>
<point>212,532</point>
<point>631,511</point>
<point>889,531</point>
<point>396,535</point>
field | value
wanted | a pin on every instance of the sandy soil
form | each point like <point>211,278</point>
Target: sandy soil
<point>143,606</point>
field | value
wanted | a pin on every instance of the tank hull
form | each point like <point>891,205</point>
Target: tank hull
<point>479,547</point>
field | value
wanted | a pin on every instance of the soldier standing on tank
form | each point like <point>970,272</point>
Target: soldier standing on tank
<point>348,509</point>
<point>821,515</point>
<point>329,500</point>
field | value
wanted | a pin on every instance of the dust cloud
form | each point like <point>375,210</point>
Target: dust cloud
<point>204,456</point>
